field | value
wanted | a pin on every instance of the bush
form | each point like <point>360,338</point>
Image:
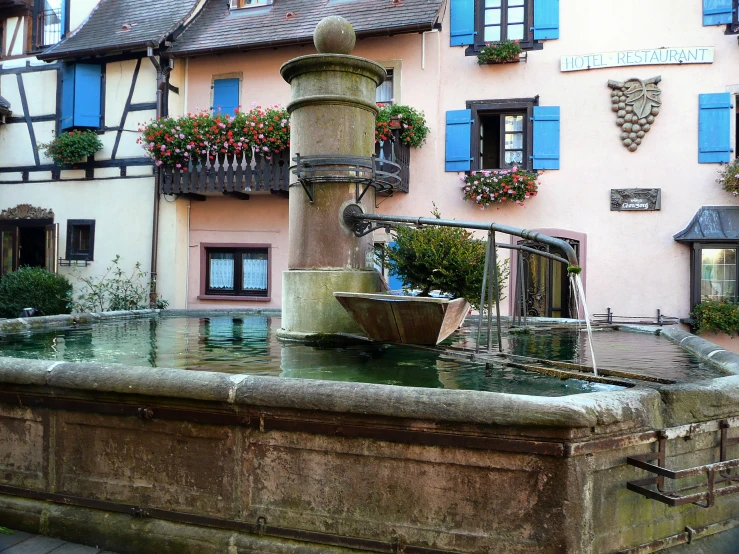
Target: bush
<point>71,147</point>
<point>448,259</point>
<point>34,287</point>
<point>115,290</point>
<point>717,316</point>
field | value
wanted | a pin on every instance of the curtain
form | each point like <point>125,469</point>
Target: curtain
<point>222,271</point>
<point>255,272</point>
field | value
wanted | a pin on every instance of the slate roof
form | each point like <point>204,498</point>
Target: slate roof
<point>712,223</point>
<point>4,106</point>
<point>123,25</point>
<point>218,29</point>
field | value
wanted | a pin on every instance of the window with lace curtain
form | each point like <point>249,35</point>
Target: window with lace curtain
<point>236,270</point>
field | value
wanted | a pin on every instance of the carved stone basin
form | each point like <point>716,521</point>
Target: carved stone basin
<point>404,319</point>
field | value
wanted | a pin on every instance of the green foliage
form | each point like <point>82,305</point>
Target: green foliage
<point>499,52</point>
<point>115,290</point>
<point>69,148</point>
<point>6,531</point>
<point>717,316</point>
<point>412,124</point>
<point>448,259</point>
<point>573,270</point>
<point>729,177</point>
<point>34,287</point>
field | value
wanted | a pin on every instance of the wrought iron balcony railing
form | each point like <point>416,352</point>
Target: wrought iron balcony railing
<point>48,28</point>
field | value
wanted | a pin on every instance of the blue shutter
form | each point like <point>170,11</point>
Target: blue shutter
<point>458,140</point>
<point>462,27</point>
<point>67,92</point>
<point>717,12</point>
<point>546,137</point>
<point>226,95</point>
<point>714,128</point>
<point>546,19</point>
<point>87,95</point>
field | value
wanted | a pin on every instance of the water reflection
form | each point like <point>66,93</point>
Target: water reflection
<point>247,344</point>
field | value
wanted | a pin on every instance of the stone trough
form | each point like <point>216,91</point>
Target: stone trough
<point>141,460</point>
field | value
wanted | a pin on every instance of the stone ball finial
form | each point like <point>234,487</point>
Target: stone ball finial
<point>334,35</point>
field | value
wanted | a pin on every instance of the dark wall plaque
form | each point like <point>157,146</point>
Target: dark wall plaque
<point>635,200</point>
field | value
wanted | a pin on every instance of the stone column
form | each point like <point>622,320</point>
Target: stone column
<point>333,112</point>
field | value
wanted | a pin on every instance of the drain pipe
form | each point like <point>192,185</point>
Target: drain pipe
<point>161,110</point>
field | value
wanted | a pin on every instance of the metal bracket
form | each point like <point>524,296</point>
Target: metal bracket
<point>360,228</point>
<point>724,485</point>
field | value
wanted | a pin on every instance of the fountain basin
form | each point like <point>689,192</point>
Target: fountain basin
<point>212,461</point>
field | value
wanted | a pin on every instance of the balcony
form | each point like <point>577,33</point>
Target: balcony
<point>240,176</point>
<point>48,28</point>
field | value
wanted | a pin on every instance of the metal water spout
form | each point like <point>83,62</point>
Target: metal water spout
<point>332,131</point>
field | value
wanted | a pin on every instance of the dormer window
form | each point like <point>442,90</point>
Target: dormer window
<point>235,4</point>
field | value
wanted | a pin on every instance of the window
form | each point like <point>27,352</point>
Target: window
<point>498,134</point>
<point>81,91</point>
<point>718,272</point>
<point>226,95</point>
<point>502,129</point>
<point>50,23</point>
<point>249,3</point>
<point>236,270</point>
<point>504,20</point>
<point>476,22</point>
<point>80,239</point>
<point>385,93</point>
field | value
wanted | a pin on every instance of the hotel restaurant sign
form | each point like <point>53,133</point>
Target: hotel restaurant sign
<point>623,58</point>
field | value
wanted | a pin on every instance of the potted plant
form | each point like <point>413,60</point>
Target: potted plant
<point>410,123</point>
<point>72,147</point>
<point>488,187</point>
<point>505,51</point>
<point>729,177</point>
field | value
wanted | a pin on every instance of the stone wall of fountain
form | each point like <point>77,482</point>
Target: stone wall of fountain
<point>148,461</point>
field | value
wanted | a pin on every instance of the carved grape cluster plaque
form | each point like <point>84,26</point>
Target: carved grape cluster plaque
<point>636,105</point>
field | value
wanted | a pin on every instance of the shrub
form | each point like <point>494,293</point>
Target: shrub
<point>729,177</point>
<point>499,52</point>
<point>449,259</point>
<point>412,124</point>
<point>717,316</point>
<point>69,148</point>
<point>115,290</point>
<point>485,188</point>
<point>34,287</point>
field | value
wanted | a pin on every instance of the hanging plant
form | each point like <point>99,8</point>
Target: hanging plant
<point>505,51</point>
<point>411,122</point>
<point>71,147</point>
<point>729,177</point>
<point>486,188</point>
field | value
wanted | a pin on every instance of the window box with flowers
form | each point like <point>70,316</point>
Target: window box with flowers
<point>729,177</point>
<point>506,51</point>
<point>72,147</point>
<point>487,188</point>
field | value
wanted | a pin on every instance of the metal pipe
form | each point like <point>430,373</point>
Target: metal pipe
<point>490,254</point>
<point>497,291</point>
<point>507,229</point>
<point>482,296</point>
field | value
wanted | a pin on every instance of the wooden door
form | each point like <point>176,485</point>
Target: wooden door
<point>8,249</point>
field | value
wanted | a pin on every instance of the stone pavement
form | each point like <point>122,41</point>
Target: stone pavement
<point>25,543</point>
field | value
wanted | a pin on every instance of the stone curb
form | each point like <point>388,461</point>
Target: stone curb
<point>706,350</point>
<point>35,323</point>
<point>583,410</point>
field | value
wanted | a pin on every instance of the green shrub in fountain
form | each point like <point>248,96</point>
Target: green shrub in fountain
<point>448,259</point>
<point>71,147</point>
<point>34,287</point>
<point>717,316</point>
<point>115,290</point>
